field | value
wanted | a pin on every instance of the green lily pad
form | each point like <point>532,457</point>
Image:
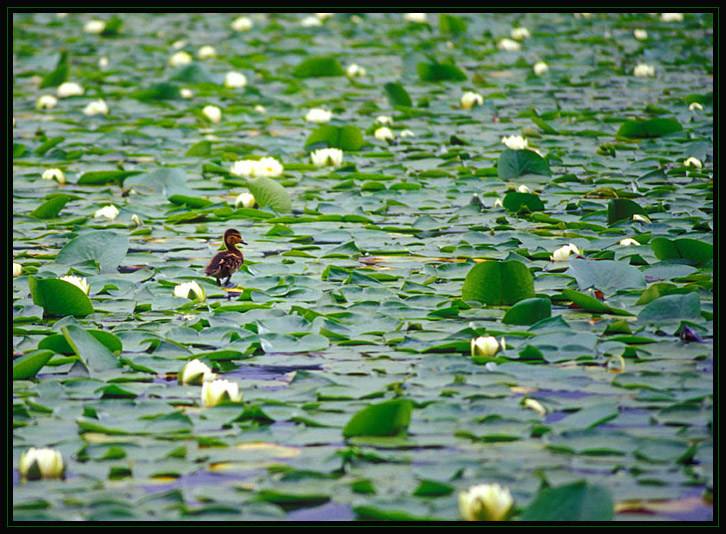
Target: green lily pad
<point>268,192</point>
<point>528,311</point>
<point>104,247</point>
<point>389,418</point>
<point>346,138</point>
<point>28,365</point>
<point>58,297</point>
<point>498,283</point>
<point>694,251</point>
<point>579,501</point>
<point>649,128</point>
<point>319,66</point>
<point>513,164</point>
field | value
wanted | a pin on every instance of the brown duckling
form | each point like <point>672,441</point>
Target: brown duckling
<point>227,262</point>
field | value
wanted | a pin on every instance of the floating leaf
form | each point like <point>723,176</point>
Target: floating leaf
<point>620,209</point>
<point>579,501</point>
<point>58,297</point>
<point>166,180</point>
<point>59,344</point>
<point>528,311</point>
<point>268,192</point>
<point>106,248</point>
<point>397,95</point>
<point>591,304</point>
<point>649,128</point>
<point>513,164</point>
<point>193,73</point>
<point>517,202</point>
<point>498,283</point>
<point>51,207</point>
<point>158,91</point>
<point>691,250</point>
<point>436,72</point>
<point>105,177</point>
<point>389,418</point>
<point>346,138</point>
<point>59,74</point>
<point>605,275</point>
<point>319,66</point>
<point>28,365</point>
<point>672,307</point>
<point>451,24</point>
<point>94,354</point>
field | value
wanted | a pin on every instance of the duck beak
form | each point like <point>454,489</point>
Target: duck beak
<point>243,241</point>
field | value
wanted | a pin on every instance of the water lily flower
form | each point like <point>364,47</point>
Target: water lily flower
<point>695,106</point>
<point>67,89</point>
<point>671,17</point>
<point>260,109</point>
<point>213,113</point>
<point>195,373</point>
<point>109,212</point>
<point>54,174</point>
<point>640,34</point>
<point>384,119</point>
<point>17,269</point>
<point>563,253</point>
<point>46,102</point>
<point>244,167</point>
<point>520,34</point>
<point>640,218</point>
<point>185,92</point>
<point>103,62</point>
<point>94,26</point>
<point>523,189</point>
<point>535,405</point>
<point>498,203</point>
<point>97,107</point>
<point>515,142</point>
<point>136,220</point>
<point>247,200</point>
<point>180,58</point>
<point>419,18</point>
<point>629,242</point>
<point>218,391</point>
<point>206,52</point>
<point>269,167</point>
<point>643,69</point>
<point>324,16</point>
<point>509,45</point>
<point>486,346</point>
<point>540,68</point>
<point>184,290</point>
<point>485,502</point>
<point>318,115</point>
<point>77,281</point>
<point>384,134</point>
<point>693,162</point>
<point>235,79</point>
<point>470,99</point>
<point>41,463</point>
<point>327,156</point>
<point>176,45</point>
<point>355,71</point>
<point>242,24</point>
<point>310,22</point>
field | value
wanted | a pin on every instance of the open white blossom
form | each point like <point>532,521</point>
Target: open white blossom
<point>643,69</point>
<point>629,242</point>
<point>206,52</point>
<point>419,18</point>
<point>54,174</point>
<point>540,68</point>
<point>485,502</point>
<point>470,99</point>
<point>515,142</point>
<point>327,156</point>
<point>190,290</point>
<point>355,71</point>
<point>97,107</point>
<point>384,134</point>
<point>640,34</point>
<point>259,108</point>
<point>407,133</point>
<point>523,189</point>
<point>195,373</point>
<point>324,16</point>
<point>94,26</point>
<point>185,92</point>
<point>318,115</point>
<point>46,102</point>
<point>80,283</point>
<point>487,346</point>
<point>67,89</point>
<point>246,200</point>
<point>242,24</point>
<point>520,34</point>
<point>180,58</point>
<point>17,269</point>
<point>252,168</point>
<point>384,119</point>
<point>695,106</point>
<point>693,162</point>
<point>235,79</point>
<point>310,22</point>
<point>213,113</point>
<point>671,17</point>
<point>509,45</point>
<point>103,62</point>
<point>563,253</point>
<point>218,391</point>
<point>41,463</point>
<point>109,212</point>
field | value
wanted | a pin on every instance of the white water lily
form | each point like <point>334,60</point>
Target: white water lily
<point>252,168</point>
<point>515,142</point>
<point>384,119</point>
<point>509,45</point>
<point>643,70</point>
<point>640,34</point>
<point>244,167</point>
<point>195,373</point>
<point>498,203</point>
<point>97,107</point>
<point>42,462</point>
<point>109,212</point>
<point>94,26</point>
<point>327,156</point>
<point>185,92</point>
<point>246,200</point>
<point>640,218</point>
<point>242,24</point>
<point>540,68</point>
<point>67,89</point>
<point>693,162</point>
<point>218,391</point>
<point>310,22</point>
<point>54,174</point>
<point>260,108</point>
<point>213,113</point>
<point>470,99</point>
<point>318,115</point>
<point>17,269</point>
<point>355,71</point>
<point>695,106</point>
<point>629,242</point>
<point>235,79</point>
<point>46,102</point>
<point>486,346</point>
<point>136,220</point>
<point>206,52</point>
<point>485,502</point>
<point>535,405</point>
<point>103,62</point>
<point>523,189</point>
<point>671,17</point>
<point>384,134</point>
<point>190,290</point>
<point>407,133</point>
<point>419,18</point>
<point>324,16</point>
<point>520,34</point>
<point>77,281</point>
<point>563,253</point>
<point>180,58</point>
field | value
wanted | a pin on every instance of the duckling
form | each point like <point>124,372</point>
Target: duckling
<point>227,262</point>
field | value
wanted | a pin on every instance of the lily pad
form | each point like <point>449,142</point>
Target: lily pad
<point>498,283</point>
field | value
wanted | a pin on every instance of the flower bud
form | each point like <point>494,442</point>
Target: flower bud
<point>213,113</point>
<point>485,502</point>
<point>219,391</point>
<point>327,156</point>
<point>41,463</point>
<point>486,346</point>
<point>190,290</point>
<point>195,373</point>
